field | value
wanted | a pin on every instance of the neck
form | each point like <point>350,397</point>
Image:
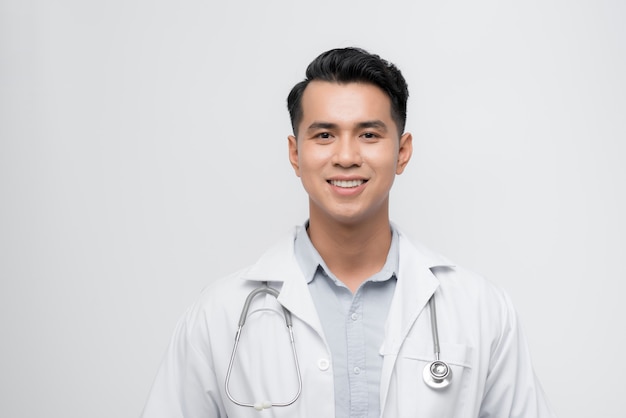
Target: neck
<point>353,252</point>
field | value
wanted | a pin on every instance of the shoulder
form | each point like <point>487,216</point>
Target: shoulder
<point>463,286</point>
<point>454,281</point>
<point>227,294</point>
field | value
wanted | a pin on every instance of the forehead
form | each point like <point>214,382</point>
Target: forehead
<point>344,102</point>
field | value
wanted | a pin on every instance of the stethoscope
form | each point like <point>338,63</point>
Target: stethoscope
<point>261,405</point>
<point>437,374</point>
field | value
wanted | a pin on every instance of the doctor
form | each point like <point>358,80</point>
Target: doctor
<point>359,294</point>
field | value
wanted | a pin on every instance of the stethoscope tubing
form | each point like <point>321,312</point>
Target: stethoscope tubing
<point>242,320</point>
<point>433,326</point>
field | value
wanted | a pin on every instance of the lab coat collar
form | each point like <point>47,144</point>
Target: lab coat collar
<point>279,266</point>
<point>416,284</point>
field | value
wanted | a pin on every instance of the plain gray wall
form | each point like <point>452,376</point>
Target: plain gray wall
<point>143,153</point>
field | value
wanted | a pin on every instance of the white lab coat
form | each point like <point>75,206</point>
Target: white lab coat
<point>479,335</point>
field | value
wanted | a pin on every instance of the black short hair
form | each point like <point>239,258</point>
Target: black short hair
<point>346,65</point>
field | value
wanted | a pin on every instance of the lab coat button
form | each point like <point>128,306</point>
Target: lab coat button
<point>357,370</point>
<point>323,364</point>
<point>354,316</point>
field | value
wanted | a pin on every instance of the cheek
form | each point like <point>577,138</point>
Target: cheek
<point>383,160</point>
<point>312,160</point>
<point>309,169</point>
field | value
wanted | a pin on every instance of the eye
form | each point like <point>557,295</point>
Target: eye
<point>370,135</point>
<point>323,135</point>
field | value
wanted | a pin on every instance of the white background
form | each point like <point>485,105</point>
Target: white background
<point>143,153</point>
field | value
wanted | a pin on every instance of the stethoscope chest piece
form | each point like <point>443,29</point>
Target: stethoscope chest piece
<point>437,374</point>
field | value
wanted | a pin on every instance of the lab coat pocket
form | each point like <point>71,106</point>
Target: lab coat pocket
<point>413,397</point>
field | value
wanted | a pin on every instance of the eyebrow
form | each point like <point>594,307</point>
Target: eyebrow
<point>377,124</point>
<point>322,125</point>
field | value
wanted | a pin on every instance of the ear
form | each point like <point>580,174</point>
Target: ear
<point>404,152</point>
<point>293,154</point>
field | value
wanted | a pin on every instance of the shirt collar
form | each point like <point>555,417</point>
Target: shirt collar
<point>310,260</point>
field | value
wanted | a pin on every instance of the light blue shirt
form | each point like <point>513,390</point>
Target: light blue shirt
<point>353,324</point>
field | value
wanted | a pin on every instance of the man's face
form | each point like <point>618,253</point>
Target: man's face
<point>348,151</point>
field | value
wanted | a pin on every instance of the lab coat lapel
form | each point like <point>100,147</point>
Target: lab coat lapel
<point>279,265</point>
<point>415,286</point>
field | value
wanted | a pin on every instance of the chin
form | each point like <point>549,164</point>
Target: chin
<point>352,218</point>
<point>349,215</point>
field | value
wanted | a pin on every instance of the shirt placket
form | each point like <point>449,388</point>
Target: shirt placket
<point>357,372</point>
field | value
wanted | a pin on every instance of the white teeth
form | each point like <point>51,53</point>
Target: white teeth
<point>347,183</point>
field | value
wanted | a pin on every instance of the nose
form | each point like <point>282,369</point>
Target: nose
<point>347,153</point>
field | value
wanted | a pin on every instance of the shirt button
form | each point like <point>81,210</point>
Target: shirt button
<point>354,316</point>
<point>357,370</point>
<point>323,364</point>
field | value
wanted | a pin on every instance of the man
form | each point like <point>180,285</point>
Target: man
<point>361,298</point>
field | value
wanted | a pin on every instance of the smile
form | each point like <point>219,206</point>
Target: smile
<point>347,184</point>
